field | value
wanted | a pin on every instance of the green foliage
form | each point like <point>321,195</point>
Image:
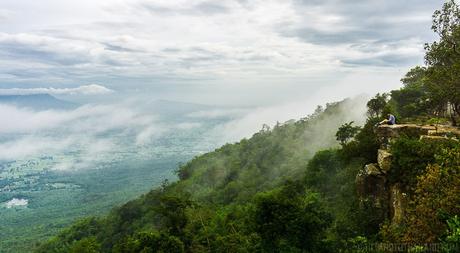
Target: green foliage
<point>364,145</point>
<point>443,59</point>
<point>291,220</point>
<point>321,169</point>
<point>357,244</point>
<point>451,243</point>
<point>85,245</point>
<point>234,199</point>
<point>83,194</point>
<point>147,242</point>
<point>435,198</point>
<point>412,100</point>
<point>411,157</point>
<point>377,105</point>
<point>454,230</point>
<point>172,211</point>
<point>78,237</point>
<point>436,121</point>
<point>236,172</point>
<point>432,90</point>
<point>346,132</point>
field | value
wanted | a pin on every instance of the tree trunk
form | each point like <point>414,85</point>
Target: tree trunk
<point>455,111</point>
<point>452,119</point>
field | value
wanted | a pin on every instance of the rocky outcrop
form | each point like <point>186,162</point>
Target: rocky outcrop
<point>371,185</point>
<point>438,139</point>
<point>372,182</point>
<point>386,133</point>
<point>398,203</point>
<point>384,160</point>
<point>445,131</point>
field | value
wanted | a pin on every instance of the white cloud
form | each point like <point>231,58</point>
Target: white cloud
<point>5,14</point>
<point>148,134</point>
<point>90,130</point>
<point>224,43</point>
<point>91,89</point>
<point>16,202</point>
<point>218,113</point>
<point>31,146</point>
<point>253,120</point>
<point>188,125</point>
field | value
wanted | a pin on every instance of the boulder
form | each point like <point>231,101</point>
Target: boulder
<point>372,170</point>
<point>384,160</point>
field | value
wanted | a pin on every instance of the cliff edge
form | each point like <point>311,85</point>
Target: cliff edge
<point>372,182</point>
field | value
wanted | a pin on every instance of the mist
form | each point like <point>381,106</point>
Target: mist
<point>95,130</point>
<point>91,132</point>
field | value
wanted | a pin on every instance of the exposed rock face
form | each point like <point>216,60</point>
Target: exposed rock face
<point>384,160</point>
<point>372,170</point>
<point>371,185</point>
<point>398,202</point>
<point>438,139</point>
<point>386,133</point>
<point>445,131</point>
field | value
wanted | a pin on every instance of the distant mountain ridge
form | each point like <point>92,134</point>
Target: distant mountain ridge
<point>37,102</point>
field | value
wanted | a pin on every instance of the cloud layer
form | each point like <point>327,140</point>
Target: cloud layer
<point>91,129</point>
<point>92,89</point>
<point>251,43</point>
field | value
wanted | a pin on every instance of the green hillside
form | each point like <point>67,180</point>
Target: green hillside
<point>270,193</point>
<point>220,192</point>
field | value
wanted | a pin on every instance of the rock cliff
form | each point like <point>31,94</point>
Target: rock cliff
<point>372,182</point>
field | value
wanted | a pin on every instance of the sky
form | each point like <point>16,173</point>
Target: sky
<point>229,52</point>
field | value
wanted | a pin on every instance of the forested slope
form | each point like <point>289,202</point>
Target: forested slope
<point>225,199</point>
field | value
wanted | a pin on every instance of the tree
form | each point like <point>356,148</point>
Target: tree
<point>412,100</point>
<point>86,245</point>
<point>364,144</point>
<point>452,240</point>
<point>150,242</point>
<point>288,219</point>
<point>443,61</point>
<point>346,132</point>
<point>436,199</point>
<point>376,105</point>
<point>172,209</point>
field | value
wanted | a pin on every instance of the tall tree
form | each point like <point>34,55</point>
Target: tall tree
<point>412,99</point>
<point>443,60</point>
<point>346,132</point>
<point>376,105</point>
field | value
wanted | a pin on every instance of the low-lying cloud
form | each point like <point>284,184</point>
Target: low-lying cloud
<point>91,89</point>
<point>91,133</point>
<point>252,122</point>
<point>94,132</point>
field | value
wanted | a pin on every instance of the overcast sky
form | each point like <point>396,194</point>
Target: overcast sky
<point>222,52</point>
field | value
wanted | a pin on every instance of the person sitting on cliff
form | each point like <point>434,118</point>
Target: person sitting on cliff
<point>390,121</point>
